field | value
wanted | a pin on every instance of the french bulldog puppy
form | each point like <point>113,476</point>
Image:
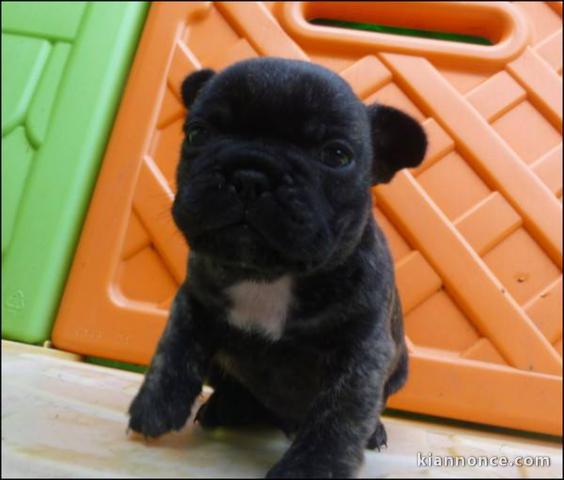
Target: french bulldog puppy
<point>290,309</point>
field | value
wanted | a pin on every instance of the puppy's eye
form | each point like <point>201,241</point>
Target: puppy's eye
<point>336,155</point>
<point>197,136</point>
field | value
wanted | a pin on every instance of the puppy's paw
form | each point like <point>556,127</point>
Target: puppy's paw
<point>231,407</point>
<point>378,439</point>
<point>207,415</point>
<point>310,468</point>
<point>151,414</point>
<point>283,470</point>
<point>223,411</point>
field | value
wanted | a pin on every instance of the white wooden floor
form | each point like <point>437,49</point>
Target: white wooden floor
<point>65,418</point>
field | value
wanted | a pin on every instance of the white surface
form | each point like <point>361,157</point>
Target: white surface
<point>63,418</point>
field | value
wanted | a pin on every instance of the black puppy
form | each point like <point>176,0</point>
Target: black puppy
<point>290,309</point>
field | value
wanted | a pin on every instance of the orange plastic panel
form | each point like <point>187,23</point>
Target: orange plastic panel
<point>475,231</point>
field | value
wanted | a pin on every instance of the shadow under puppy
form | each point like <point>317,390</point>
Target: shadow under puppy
<point>290,308</point>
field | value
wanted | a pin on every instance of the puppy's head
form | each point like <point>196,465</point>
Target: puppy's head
<point>277,164</point>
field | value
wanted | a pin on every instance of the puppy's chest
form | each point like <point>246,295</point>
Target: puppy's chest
<point>260,307</point>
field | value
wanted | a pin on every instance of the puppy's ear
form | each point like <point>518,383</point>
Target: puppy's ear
<point>193,83</point>
<point>398,141</point>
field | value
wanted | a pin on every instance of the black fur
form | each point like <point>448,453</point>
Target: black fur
<point>274,182</point>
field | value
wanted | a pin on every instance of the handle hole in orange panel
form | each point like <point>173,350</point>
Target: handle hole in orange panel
<point>465,23</point>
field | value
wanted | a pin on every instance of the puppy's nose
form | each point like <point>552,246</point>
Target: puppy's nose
<point>250,184</point>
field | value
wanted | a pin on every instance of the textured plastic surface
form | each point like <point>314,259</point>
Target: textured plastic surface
<point>475,231</point>
<point>63,69</point>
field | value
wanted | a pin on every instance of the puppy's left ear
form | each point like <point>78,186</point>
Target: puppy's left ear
<point>193,83</point>
<point>398,141</point>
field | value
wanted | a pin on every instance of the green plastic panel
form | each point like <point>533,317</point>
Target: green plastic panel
<point>64,65</point>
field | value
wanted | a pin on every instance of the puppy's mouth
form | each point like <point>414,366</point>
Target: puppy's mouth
<point>244,231</point>
<point>238,222</point>
<point>241,227</point>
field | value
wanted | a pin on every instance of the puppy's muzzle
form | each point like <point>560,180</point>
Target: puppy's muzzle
<point>250,184</point>
<point>250,174</point>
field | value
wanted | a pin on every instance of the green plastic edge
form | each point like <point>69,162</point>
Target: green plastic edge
<point>42,277</point>
<point>104,362</point>
<point>408,32</point>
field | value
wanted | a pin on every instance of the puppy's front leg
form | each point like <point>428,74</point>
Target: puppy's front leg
<point>331,442</point>
<point>175,376</point>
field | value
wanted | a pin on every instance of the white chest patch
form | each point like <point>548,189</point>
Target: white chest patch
<point>261,307</point>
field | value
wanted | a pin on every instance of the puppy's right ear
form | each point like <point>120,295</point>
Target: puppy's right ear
<point>193,83</point>
<point>398,140</point>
